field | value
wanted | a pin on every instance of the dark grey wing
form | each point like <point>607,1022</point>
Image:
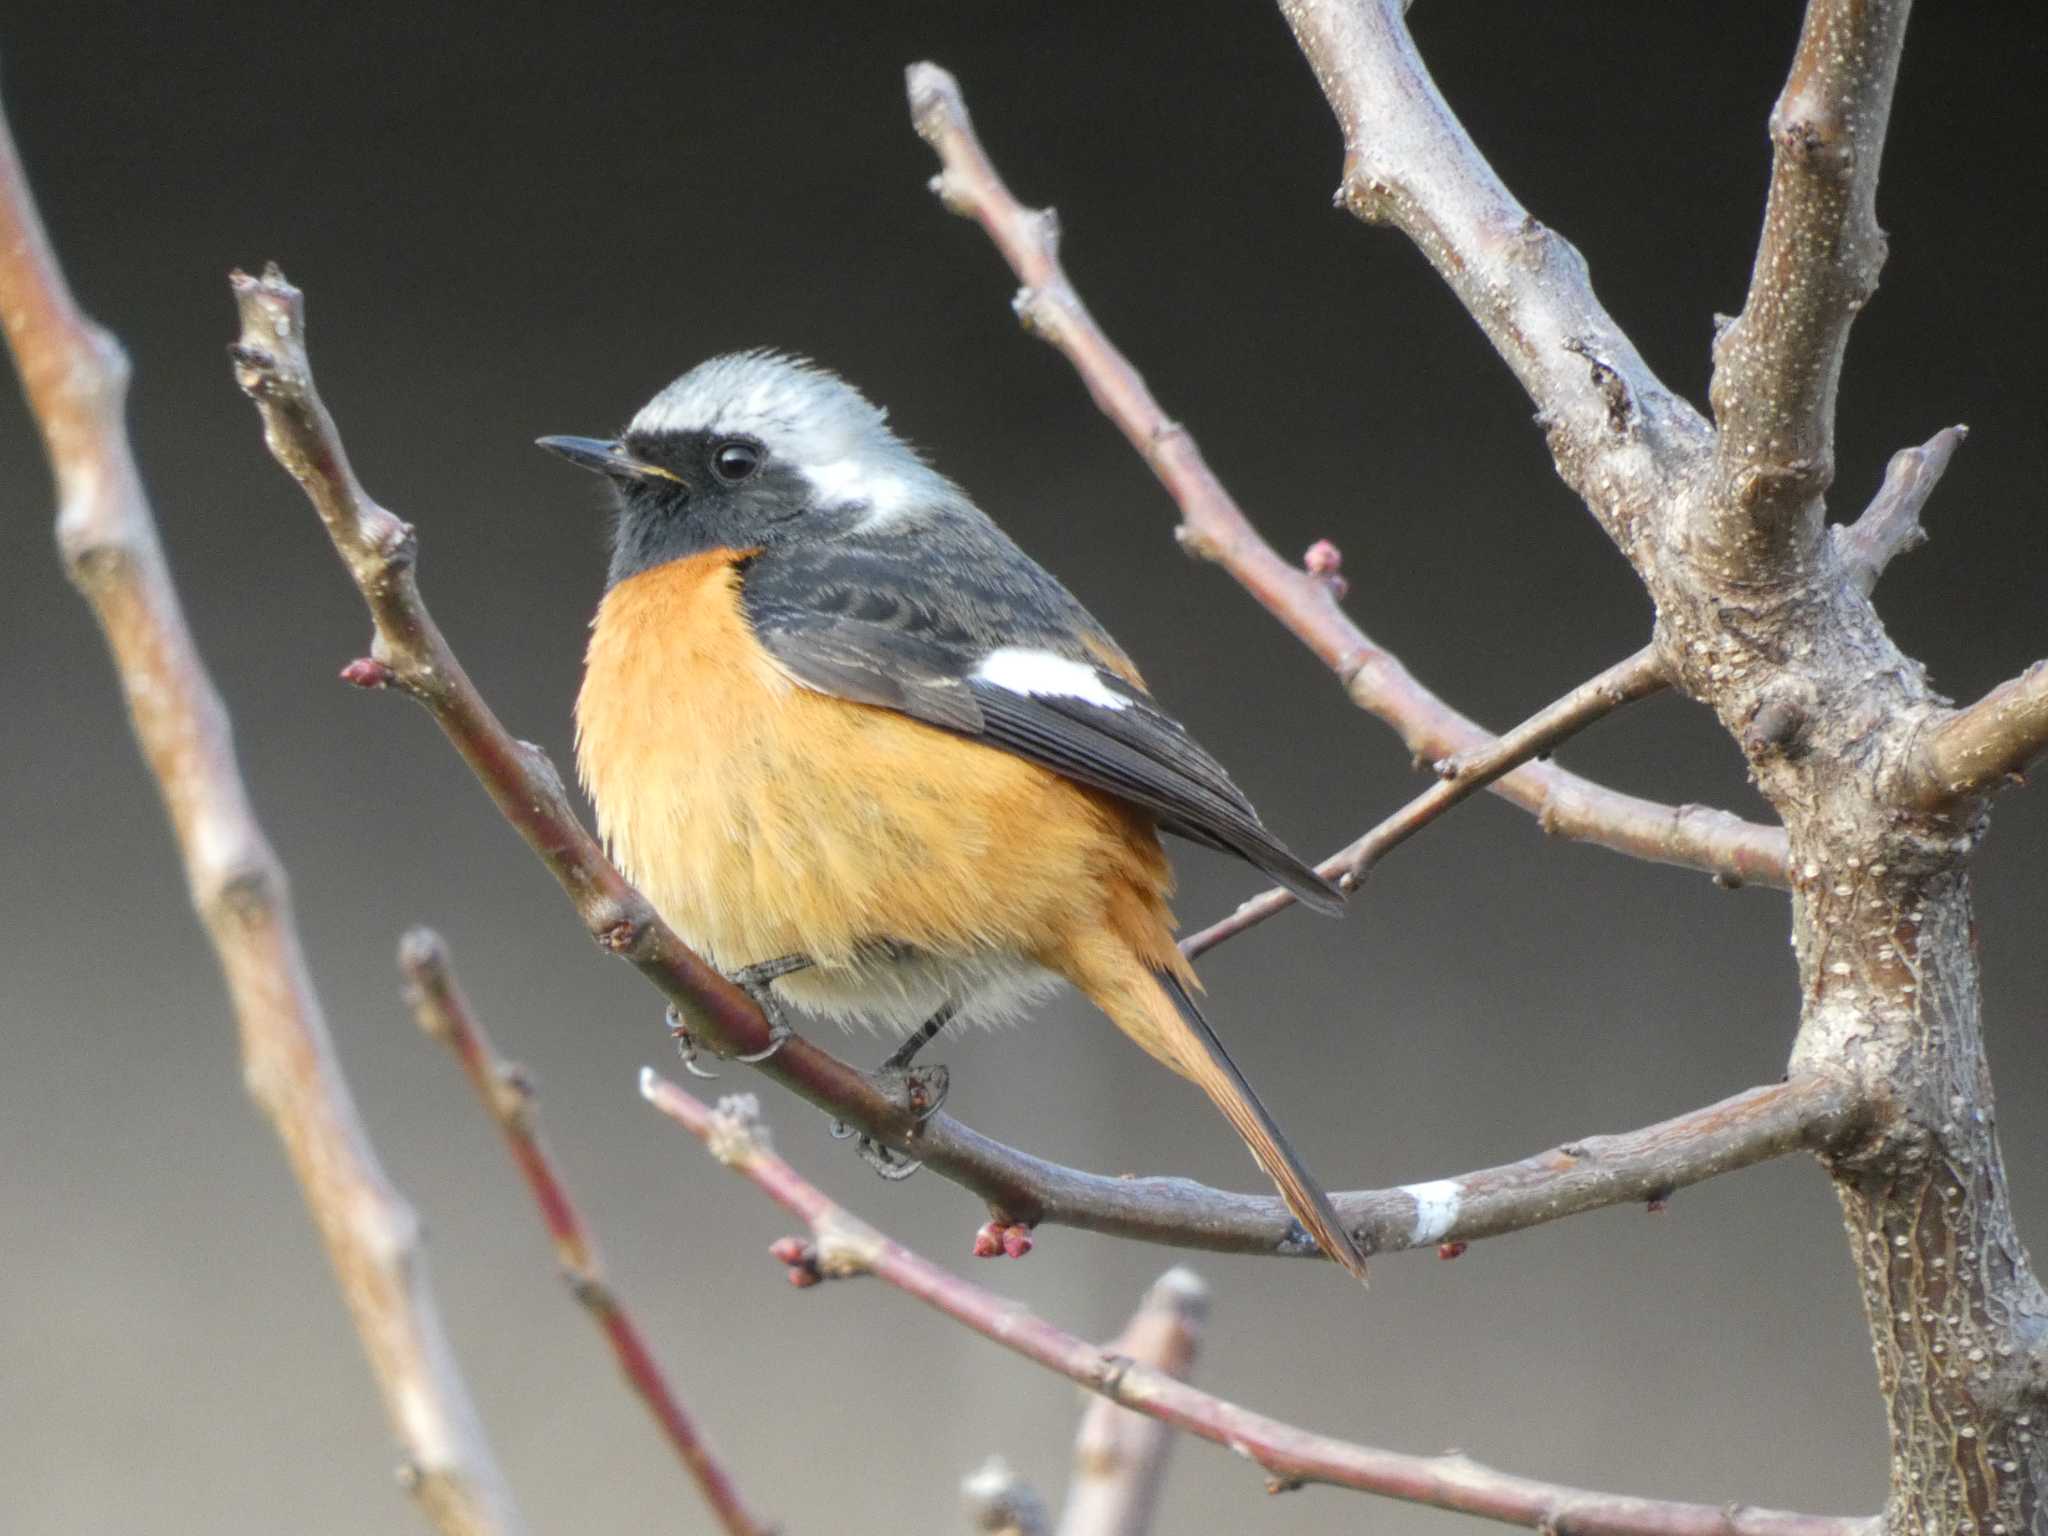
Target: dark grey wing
<point>910,624</point>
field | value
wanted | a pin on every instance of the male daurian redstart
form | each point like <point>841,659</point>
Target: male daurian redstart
<point>858,748</point>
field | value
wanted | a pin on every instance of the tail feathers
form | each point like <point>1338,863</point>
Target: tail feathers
<point>1193,1050</point>
<point>1314,892</point>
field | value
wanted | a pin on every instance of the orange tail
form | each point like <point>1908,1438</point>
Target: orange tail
<point>1171,1027</point>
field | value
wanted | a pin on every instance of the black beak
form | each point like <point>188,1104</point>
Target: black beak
<point>603,457</point>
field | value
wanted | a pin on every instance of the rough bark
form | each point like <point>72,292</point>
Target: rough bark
<point>1765,619</point>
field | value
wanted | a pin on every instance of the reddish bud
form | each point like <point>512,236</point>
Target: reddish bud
<point>368,672</point>
<point>803,1278</point>
<point>1455,1248</point>
<point>1656,1205</point>
<point>789,1250</point>
<point>1017,1241</point>
<point>988,1242</point>
<point>1325,561</point>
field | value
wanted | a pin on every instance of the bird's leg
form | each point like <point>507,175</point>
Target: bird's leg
<point>923,1089</point>
<point>758,982</point>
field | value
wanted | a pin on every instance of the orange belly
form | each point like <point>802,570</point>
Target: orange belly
<point>763,819</point>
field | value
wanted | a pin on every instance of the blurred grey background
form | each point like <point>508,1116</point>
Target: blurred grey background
<point>515,220</point>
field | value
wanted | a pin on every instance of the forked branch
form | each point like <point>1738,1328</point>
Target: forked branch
<point>1216,528</point>
<point>76,377</point>
<point>841,1245</point>
<point>1458,778</point>
<point>1620,438</point>
<point>1777,365</point>
<point>443,1012</point>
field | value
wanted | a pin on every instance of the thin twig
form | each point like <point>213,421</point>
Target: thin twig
<point>412,656</point>
<point>1890,525</point>
<point>1458,778</point>
<point>1000,1503</point>
<point>1120,1456</point>
<point>443,1012</point>
<point>1777,365</point>
<point>842,1245</point>
<point>1216,528</point>
<point>76,377</point>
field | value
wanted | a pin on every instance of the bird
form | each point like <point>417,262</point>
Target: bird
<point>872,760</point>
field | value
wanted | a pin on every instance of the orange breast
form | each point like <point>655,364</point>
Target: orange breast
<point>765,819</point>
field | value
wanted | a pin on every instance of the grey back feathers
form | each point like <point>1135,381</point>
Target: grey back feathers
<point>872,578</point>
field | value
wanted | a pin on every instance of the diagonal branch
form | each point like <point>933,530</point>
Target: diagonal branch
<point>1620,438</point>
<point>413,657</point>
<point>1890,525</point>
<point>1120,1456</point>
<point>443,1012</point>
<point>1992,742</point>
<point>76,378</point>
<point>1216,528</point>
<point>1777,365</point>
<point>842,1245</point>
<point>1458,778</point>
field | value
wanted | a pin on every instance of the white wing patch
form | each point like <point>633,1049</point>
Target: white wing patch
<point>1037,674</point>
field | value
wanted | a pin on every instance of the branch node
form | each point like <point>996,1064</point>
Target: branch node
<point>738,1133</point>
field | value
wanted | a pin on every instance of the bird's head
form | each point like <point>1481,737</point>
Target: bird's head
<point>746,451</point>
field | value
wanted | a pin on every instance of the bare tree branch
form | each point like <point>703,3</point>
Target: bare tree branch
<point>76,377</point>
<point>443,1012</point>
<point>1120,1456</point>
<point>1458,778</point>
<point>1000,1503</point>
<point>1890,525</point>
<point>412,656</point>
<point>842,1245</point>
<point>1216,528</point>
<point>1777,365</point>
<point>1988,744</point>
<point>1620,438</point>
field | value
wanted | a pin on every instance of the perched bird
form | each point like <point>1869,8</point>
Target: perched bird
<point>869,758</point>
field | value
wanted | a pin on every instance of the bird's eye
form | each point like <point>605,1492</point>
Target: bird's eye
<point>735,459</point>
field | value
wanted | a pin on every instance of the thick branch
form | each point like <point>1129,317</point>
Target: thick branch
<point>443,1012</point>
<point>1216,528</point>
<point>842,1245</point>
<point>1120,1456</point>
<point>76,378</point>
<point>1620,438</point>
<point>1458,778</point>
<point>1776,367</point>
<point>1890,525</point>
<point>1988,744</point>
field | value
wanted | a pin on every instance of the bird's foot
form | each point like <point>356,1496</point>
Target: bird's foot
<point>921,1090</point>
<point>758,982</point>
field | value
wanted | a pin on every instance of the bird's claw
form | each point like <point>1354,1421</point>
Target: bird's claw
<point>686,1044</point>
<point>779,1035</point>
<point>888,1164</point>
<point>921,1090</point>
